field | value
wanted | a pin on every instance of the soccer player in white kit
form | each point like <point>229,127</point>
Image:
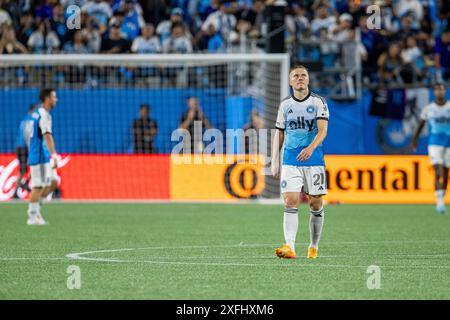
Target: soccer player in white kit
<point>42,156</point>
<point>302,124</point>
<point>437,115</point>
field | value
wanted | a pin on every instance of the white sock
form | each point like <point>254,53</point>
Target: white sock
<point>440,194</point>
<point>290,223</point>
<point>33,209</point>
<point>315,227</point>
<point>41,201</point>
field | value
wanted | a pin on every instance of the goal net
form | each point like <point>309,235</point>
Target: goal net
<point>149,127</point>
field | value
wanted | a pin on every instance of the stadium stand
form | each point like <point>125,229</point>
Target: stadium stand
<point>409,48</point>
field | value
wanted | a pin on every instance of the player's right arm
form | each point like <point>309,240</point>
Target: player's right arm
<point>278,143</point>
<point>276,150</point>
<point>415,139</point>
<point>50,143</point>
<point>45,124</point>
<point>423,119</point>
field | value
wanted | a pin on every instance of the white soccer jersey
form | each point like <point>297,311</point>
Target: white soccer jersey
<point>438,119</point>
<point>42,124</point>
<point>298,118</point>
<point>45,123</point>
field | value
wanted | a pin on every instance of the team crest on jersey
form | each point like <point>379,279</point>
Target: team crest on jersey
<point>310,109</point>
<point>283,184</point>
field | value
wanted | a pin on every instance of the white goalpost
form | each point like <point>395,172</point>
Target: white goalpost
<point>100,96</point>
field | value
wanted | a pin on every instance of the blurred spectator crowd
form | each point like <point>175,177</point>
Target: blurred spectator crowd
<point>410,42</point>
<point>400,42</point>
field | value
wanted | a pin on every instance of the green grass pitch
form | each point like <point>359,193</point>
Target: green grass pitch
<point>222,251</point>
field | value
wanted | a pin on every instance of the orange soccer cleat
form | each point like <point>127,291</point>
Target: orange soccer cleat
<point>285,252</point>
<point>312,253</point>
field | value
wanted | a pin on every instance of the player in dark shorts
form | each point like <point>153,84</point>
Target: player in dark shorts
<point>23,140</point>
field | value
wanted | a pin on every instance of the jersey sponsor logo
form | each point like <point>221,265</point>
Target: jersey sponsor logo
<point>441,120</point>
<point>301,123</point>
<point>290,111</point>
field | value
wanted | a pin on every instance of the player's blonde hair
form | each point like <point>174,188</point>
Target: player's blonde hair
<point>298,66</point>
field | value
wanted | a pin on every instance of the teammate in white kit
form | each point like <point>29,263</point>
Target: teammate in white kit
<point>437,115</point>
<point>42,156</point>
<point>302,124</point>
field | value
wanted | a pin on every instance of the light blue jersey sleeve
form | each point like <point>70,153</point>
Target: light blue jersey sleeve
<point>424,114</point>
<point>438,120</point>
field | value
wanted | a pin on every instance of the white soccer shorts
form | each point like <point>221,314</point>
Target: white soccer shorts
<point>42,175</point>
<point>439,155</point>
<point>311,179</point>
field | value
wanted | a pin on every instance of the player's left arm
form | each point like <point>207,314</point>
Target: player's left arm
<point>322,126</point>
<point>50,143</point>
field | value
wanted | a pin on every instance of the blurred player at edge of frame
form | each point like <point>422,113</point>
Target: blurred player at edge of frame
<point>437,115</point>
<point>23,144</point>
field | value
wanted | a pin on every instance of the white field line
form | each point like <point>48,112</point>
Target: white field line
<point>31,258</point>
<point>82,256</point>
